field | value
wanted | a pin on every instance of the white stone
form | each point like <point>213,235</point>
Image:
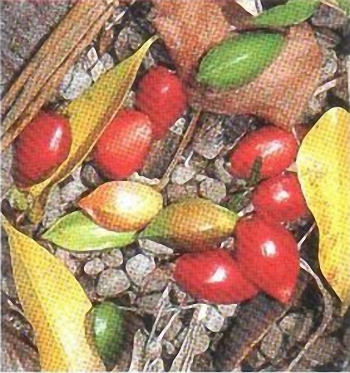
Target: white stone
<point>212,320</point>
<point>94,267</point>
<point>227,310</point>
<point>113,259</point>
<point>138,267</point>
<point>112,282</point>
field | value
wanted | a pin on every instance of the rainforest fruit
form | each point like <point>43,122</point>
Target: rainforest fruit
<point>268,255</point>
<point>280,198</point>
<point>107,331</point>
<point>124,145</point>
<point>122,206</point>
<point>193,225</point>
<point>275,147</point>
<point>213,276</point>
<point>40,149</point>
<point>161,96</point>
<point>239,60</point>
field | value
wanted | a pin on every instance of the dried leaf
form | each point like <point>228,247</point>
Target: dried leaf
<point>323,164</point>
<point>191,224</point>
<point>55,305</point>
<point>76,232</point>
<point>281,93</point>
<point>292,13</point>
<point>122,206</point>
<point>89,115</point>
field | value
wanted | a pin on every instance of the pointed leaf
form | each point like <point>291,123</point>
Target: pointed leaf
<point>194,224</point>
<point>55,305</point>
<point>323,164</point>
<point>292,13</point>
<point>122,206</point>
<point>76,232</point>
<point>88,116</point>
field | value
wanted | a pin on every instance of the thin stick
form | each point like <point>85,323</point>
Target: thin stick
<point>185,141</point>
<point>327,314</point>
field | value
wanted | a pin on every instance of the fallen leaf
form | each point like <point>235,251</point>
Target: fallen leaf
<point>77,232</point>
<point>55,305</point>
<point>122,206</point>
<point>323,164</point>
<point>88,116</point>
<point>281,93</point>
<point>194,224</point>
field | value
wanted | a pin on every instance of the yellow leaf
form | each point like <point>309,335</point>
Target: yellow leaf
<point>55,305</point>
<point>89,115</point>
<point>323,164</point>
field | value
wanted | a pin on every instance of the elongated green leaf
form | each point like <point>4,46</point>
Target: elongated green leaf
<point>88,116</point>
<point>345,6</point>
<point>292,13</point>
<point>55,305</point>
<point>192,224</point>
<point>239,60</point>
<point>76,232</point>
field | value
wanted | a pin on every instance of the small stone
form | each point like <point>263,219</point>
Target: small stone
<point>113,259</point>
<point>149,303</point>
<point>212,189</point>
<point>221,172</point>
<point>179,126</point>
<point>176,192</point>
<point>97,71</point>
<point>130,100</point>
<point>297,325</point>
<point>138,267</point>
<point>182,174</point>
<point>157,280</point>
<point>227,310</point>
<point>75,83</point>
<point>94,267</point>
<point>107,61</point>
<point>71,191</point>
<point>155,248</point>
<point>112,282</point>
<point>90,177</point>
<point>72,264</point>
<point>272,342</point>
<point>201,343</point>
<point>211,318</point>
<point>91,57</point>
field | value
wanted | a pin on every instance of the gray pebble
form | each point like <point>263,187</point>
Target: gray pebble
<point>221,172</point>
<point>94,267</point>
<point>112,282</point>
<point>177,192</point>
<point>155,248</point>
<point>75,83</point>
<point>272,342</point>
<point>90,177</point>
<point>113,259</point>
<point>182,174</point>
<point>212,189</point>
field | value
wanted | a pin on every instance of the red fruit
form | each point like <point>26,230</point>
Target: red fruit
<point>124,145</point>
<point>213,276</point>
<point>268,256</point>
<point>161,96</point>
<point>277,149</point>
<point>40,149</point>
<point>280,198</point>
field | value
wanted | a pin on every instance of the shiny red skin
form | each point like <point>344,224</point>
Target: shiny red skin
<point>161,96</point>
<point>280,198</point>
<point>40,149</point>
<point>267,254</point>
<point>124,145</point>
<point>196,274</point>
<point>277,149</point>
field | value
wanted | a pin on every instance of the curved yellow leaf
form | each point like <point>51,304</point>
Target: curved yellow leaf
<point>89,115</point>
<point>323,164</point>
<point>55,305</point>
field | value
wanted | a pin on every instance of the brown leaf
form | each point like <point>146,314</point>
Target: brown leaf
<point>279,95</point>
<point>189,29</point>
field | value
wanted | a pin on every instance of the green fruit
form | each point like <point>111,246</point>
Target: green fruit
<point>108,331</point>
<point>239,60</point>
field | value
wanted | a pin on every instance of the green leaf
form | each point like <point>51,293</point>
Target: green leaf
<point>239,60</point>
<point>254,176</point>
<point>238,201</point>
<point>76,232</point>
<point>345,6</point>
<point>192,224</point>
<point>292,13</point>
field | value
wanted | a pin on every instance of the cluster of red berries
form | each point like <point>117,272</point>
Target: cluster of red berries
<point>45,142</point>
<point>266,254</point>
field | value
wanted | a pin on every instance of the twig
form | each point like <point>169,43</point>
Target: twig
<point>327,314</point>
<point>185,141</point>
<point>306,235</point>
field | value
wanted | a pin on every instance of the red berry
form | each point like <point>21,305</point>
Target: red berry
<point>124,145</point>
<point>280,198</point>
<point>268,256</point>
<point>161,96</point>
<point>277,149</point>
<point>213,276</point>
<point>40,149</point>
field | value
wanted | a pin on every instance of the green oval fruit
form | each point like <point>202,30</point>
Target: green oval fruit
<point>239,60</point>
<point>108,331</point>
<point>193,225</point>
